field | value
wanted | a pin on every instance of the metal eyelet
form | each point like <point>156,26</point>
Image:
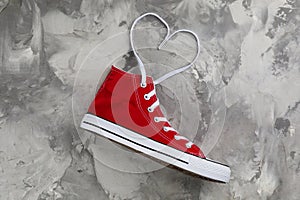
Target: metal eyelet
<point>146,97</point>
<point>143,85</point>
<point>165,129</point>
<point>149,109</point>
<point>175,137</point>
<point>155,119</point>
<point>188,146</point>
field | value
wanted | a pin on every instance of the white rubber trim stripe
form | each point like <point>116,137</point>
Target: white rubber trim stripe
<point>135,142</point>
<point>197,165</point>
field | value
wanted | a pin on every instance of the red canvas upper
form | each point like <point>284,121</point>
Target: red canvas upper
<point>120,100</point>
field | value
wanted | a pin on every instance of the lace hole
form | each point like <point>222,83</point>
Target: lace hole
<point>155,119</point>
<point>165,129</point>
<point>188,146</point>
<point>150,109</point>
<point>143,85</point>
<point>176,138</point>
<point>146,97</point>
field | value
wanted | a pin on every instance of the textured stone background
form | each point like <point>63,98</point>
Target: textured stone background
<point>245,89</point>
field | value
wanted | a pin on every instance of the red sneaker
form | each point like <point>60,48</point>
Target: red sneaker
<point>126,110</point>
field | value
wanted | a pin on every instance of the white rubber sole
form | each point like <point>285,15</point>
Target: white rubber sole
<point>203,167</point>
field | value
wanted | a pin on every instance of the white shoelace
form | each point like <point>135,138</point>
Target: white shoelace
<point>166,76</point>
<point>163,119</point>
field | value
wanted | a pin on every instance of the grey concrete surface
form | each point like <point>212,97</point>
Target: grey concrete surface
<point>240,102</point>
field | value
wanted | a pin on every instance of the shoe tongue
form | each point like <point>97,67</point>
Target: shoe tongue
<point>149,80</point>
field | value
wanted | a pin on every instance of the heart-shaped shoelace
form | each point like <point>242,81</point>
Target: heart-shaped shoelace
<point>166,39</point>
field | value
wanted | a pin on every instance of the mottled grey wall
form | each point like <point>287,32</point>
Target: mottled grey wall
<point>240,102</point>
